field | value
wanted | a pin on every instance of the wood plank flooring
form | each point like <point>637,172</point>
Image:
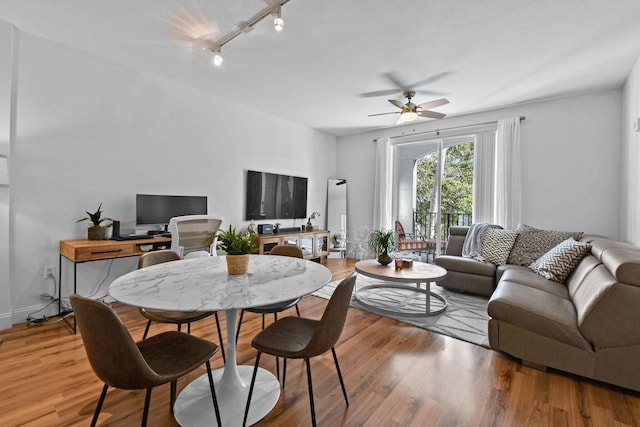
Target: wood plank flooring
<point>396,375</point>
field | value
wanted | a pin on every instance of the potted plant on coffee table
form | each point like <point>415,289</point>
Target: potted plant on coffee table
<point>238,247</point>
<point>382,242</point>
<point>95,231</point>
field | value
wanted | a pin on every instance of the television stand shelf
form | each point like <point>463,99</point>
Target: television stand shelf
<point>314,244</point>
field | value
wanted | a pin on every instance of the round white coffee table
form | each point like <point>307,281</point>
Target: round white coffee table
<point>420,272</point>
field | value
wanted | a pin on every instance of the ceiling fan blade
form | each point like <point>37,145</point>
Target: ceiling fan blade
<point>433,104</point>
<point>432,78</point>
<point>380,93</point>
<point>397,103</point>
<point>431,114</point>
<point>382,114</point>
<point>429,92</point>
<point>397,79</point>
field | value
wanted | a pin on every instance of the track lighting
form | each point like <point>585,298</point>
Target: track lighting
<point>278,22</point>
<point>245,27</point>
<point>217,57</point>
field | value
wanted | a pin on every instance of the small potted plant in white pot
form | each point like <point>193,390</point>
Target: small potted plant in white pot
<point>309,226</point>
<point>238,247</point>
<point>95,231</point>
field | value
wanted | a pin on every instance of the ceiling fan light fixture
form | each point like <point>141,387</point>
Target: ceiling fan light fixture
<point>409,116</point>
<point>217,57</point>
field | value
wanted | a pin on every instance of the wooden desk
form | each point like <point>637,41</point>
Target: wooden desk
<point>83,250</point>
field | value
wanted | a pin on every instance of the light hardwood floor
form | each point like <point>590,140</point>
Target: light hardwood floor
<point>395,374</point>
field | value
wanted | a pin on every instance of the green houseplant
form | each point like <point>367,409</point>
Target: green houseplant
<point>238,246</point>
<point>382,242</point>
<point>336,239</point>
<point>95,231</point>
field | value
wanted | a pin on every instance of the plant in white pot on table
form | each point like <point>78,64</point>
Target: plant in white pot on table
<point>238,247</point>
<point>95,231</point>
<point>309,226</point>
<point>382,242</point>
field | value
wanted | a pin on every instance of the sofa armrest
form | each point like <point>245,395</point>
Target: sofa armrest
<point>466,265</point>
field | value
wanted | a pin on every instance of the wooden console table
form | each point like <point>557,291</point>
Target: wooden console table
<point>82,250</point>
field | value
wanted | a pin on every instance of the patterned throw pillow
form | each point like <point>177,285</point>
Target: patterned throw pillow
<point>532,243</point>
<point>561,260</point>
<point>496,245</point>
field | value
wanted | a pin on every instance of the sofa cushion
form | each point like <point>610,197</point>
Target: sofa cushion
<point>466,265</point>
<point>531,243</point>
<point>497,244</point>
<point>524,276</point>
<point>561,260</point>
<point>538,311</point>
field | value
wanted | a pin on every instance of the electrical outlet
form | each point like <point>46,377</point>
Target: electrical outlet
<point>49,271</point>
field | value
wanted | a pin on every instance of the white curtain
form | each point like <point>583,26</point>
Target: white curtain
<point>507,203</point>
<point>483,172</point>
<point>383,181</point>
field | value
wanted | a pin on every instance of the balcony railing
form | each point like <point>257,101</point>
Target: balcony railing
<point>424,223</point>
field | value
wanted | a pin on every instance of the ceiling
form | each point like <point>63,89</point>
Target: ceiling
<point>478,54</point>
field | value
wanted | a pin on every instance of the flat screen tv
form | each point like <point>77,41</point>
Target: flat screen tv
<point>274,196</point>
<point>157,209</point>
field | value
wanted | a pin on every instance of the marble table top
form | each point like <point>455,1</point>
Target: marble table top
<point>203,284</point>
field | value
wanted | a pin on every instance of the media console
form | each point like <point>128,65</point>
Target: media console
<point>314,244</point>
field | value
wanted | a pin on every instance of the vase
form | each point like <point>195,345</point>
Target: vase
<point>95,232</point>
<point>384,258</point>
<point>237,264</point>
<point>309,226</point>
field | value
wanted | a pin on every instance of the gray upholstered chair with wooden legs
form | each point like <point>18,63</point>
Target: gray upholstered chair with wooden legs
<point>122,363</point>
<point>302,338</point>
<point>176,317</point>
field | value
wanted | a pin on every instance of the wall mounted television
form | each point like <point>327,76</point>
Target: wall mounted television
<point>158,209</point>
<point>275,196</point>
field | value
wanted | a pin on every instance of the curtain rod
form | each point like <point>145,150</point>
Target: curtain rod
<point>437,131</point>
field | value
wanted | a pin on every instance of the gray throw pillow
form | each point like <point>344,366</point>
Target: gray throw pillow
<point>561,260</point>
<point>531,243</point>
<point>496,245</point>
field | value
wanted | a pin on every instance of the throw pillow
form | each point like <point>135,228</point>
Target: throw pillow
<point>561,260</point>
<point>532,243</point>
<point>497,244</point>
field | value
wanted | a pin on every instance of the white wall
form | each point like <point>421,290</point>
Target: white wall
<point>92,131</point>
<point>630,215</point>
<point>571,149</point>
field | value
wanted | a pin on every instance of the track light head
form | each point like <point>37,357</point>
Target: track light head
<point>278,22</point>
<point>217,56</point>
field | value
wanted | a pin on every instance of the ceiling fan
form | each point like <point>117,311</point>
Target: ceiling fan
<point>411,111</point>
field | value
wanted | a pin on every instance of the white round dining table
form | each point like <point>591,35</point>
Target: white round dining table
<point>203,284</point>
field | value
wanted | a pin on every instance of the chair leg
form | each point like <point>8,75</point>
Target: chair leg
<point>99,406</point>
<point>297,310</point>
<point>172,398</point>
<point>344,390</point>
<point>284,370</point>
<point>224,359</point>
<point>146,330</point>
<point>262,321</point>
<point>189,328</point>
<point>213,394</point>
<point>253,382</point>
<point>179,327</point>
<point>311,404</point>
<point>239,324</point>
<point>145,413</point>
<point>275,319</point>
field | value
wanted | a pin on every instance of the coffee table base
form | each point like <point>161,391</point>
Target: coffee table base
<point>194,406</point>
<point>441,302</point>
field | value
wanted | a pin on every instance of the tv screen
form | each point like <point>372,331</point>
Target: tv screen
<point>274,196</point>
<point>156,209</point>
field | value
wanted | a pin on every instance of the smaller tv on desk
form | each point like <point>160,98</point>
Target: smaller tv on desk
<point>158,209</point>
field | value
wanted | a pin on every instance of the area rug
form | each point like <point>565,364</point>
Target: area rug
<point>465,317</point>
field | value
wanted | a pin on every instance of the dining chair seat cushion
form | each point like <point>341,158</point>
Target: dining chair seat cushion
<point>173,354</point>
<point>288,338</point>
<point>273,308</point>
<point>174,316</point>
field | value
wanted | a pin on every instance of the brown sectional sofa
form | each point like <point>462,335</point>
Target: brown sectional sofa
<point>588,326</point>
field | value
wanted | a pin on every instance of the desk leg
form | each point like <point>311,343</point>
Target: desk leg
<point>75,273</point>
<point>194,407</point>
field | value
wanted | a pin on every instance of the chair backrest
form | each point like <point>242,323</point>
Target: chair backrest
<point>332,322</point>
<point>189,232</point>
<point>157,257</point>
<point>112,352</point>
<point>287,250</point>
<point>400,231</point>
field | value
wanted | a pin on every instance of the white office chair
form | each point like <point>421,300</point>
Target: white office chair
<point>189,232</point>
